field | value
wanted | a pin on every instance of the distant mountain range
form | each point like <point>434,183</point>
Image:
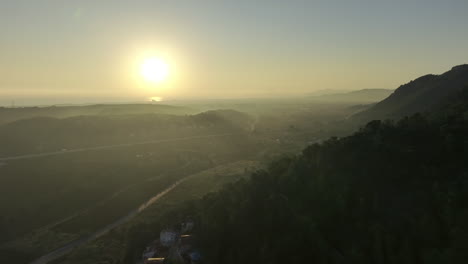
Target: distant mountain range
<point>420,95</point>
<point>359,96</point>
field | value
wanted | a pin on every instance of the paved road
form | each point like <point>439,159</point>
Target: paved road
<point>55,153</point>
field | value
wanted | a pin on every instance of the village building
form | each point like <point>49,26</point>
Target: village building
<point>173,245</point>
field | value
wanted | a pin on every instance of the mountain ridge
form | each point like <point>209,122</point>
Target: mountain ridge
<point>369,95</point>
<point>419,95</point>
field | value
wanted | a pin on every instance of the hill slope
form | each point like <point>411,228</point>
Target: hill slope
<point>419,95</point>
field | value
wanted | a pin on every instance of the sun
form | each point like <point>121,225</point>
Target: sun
<point>154,70</point>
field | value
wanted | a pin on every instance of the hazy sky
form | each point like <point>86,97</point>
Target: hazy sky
<point>83,50</point>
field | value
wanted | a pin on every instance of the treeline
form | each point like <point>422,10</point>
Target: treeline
<point>393,192</point>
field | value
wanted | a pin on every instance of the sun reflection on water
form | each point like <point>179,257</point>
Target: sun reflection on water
<point>155,99</point>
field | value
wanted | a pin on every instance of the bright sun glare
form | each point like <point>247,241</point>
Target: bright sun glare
<point>154,70</point>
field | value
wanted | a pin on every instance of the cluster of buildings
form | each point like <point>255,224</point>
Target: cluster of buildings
<point>174,246</point>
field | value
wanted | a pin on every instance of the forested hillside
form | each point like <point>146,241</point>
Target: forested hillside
<point>393,192</point>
